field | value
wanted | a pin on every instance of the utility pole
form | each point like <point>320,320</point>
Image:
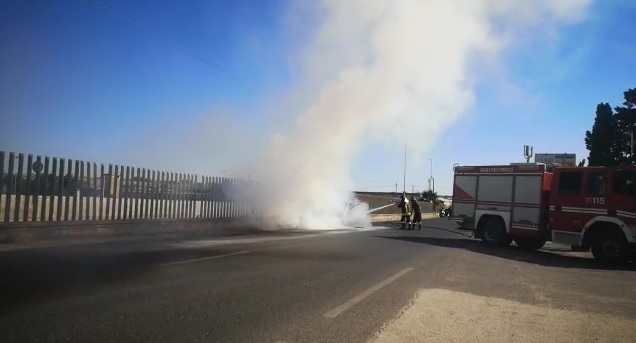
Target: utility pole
<point>404,186</point>
<point>431,181</point>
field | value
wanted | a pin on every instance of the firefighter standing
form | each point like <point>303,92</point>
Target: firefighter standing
<point>406,212</point>
<point>417,213</point>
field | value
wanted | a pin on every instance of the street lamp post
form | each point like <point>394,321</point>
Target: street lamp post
<point>432,179</point>
<point>404,180</point>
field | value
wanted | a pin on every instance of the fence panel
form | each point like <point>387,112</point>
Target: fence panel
<point>182,188</point>
<point>192,196</point>
<point>206,198</point>
<point>42,188</point>
<point>27,190</point>
<point>10,187</point>
<point>170,193</point>
<point>162,194</point>
<point>126,186</point>
<point>66,187</point>
<point>137,181</point>
<point>36,188</point>
<point>18,188</point>
<point>102,187</point>
<point>2,186</point>
<point>148,189</point>
<point>119,173</point>
<point>45,190</point>
<point>184,196</point>
<point>60,189</point>
<point>216,213</point>
<point>76,179</point>
<point>152,198</point>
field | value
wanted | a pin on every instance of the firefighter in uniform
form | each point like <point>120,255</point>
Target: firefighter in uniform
<point>417,213</point>
<point>406,212</point>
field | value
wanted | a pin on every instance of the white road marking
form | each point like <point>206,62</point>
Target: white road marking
<point>339,309</point>
<point>204,258</point>
<point>248,239</point>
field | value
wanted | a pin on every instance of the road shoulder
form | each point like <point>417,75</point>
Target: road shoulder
<point>439,315</point>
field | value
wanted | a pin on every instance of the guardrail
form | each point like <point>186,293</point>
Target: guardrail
<point>50,189</point>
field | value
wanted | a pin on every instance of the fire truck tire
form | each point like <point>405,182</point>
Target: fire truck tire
<point>529,243</point>
<point>610,247</point>
<point>494,232</point>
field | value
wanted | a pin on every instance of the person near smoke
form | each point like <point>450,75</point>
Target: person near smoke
<point>406,212</point>
<point>417,213</point>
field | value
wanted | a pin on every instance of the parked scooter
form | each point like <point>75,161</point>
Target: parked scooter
<point>444,213</point>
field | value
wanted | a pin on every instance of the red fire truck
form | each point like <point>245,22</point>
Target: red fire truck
<point>588,208</point>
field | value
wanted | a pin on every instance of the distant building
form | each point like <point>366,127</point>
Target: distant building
<point>553,160</point>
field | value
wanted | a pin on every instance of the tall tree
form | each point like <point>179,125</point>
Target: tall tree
<point>605,141</point>
<point>626,117</point>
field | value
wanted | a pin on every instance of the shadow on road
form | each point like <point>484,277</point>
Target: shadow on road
<point>47,274</point>
<point>544,258</point>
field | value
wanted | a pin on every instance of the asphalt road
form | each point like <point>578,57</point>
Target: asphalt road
<point>331,286</point>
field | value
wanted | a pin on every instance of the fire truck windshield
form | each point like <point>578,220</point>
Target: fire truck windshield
<point>624,183</point>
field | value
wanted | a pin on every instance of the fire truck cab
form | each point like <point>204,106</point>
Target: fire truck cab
<point>588,208</point>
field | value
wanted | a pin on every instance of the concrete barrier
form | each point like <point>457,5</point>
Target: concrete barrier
<point>30,232</point>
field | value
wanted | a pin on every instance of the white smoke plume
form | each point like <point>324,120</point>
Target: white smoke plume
<point>376,68</point>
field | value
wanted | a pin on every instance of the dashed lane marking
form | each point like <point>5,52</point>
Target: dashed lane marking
<point>204,258</point>
<point>339,309</point>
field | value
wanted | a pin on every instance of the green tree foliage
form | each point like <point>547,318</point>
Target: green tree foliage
<point>608,141</point>
<point>626,118</point>
<point>627,113</point>
<point>603,141</point>
<point>429,196</point>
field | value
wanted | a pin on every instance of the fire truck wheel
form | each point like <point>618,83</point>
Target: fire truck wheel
<point>529,243</point>
<point>611,247</point>
<point>494,232</point>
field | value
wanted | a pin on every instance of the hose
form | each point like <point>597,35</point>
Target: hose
<point>472,233</point>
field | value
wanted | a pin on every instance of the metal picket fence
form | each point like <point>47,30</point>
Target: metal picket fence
<point>50,189</point>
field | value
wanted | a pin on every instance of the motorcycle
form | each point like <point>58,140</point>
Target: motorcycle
<point>444,213</point>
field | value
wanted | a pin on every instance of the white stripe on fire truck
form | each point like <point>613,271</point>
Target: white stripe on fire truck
<point>594,211</point>
<point>626,214</point>
<point>525,227</point>
<point>580,209</point>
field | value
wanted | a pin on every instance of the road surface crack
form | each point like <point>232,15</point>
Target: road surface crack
<point>394,319</point>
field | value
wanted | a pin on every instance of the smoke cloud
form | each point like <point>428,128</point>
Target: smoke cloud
<point>374,69</point>
<point>363,72</point>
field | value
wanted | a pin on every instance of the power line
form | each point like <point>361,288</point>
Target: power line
<point>150,32</point>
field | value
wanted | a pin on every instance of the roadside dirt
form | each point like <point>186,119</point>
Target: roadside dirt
<point>438,315</point>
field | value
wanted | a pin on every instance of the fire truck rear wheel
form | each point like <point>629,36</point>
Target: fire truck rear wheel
<point>610,247</point>
<point>529,243</point>
<point>494,232</point>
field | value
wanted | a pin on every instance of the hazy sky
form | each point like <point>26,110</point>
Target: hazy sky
<point>77,81</point>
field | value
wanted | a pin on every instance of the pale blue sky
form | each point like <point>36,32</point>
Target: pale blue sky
<point>78,82</point>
